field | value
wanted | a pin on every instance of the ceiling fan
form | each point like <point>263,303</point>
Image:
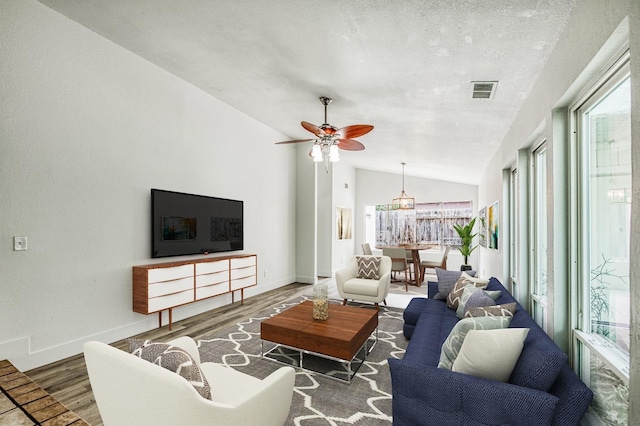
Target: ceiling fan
<point>329,138</point>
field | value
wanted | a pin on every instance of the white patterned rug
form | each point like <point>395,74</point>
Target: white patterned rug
<point>318,400</point>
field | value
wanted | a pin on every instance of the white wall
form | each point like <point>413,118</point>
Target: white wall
<point>87,128</point>
<point>381,188</point>
<point>491,260</point>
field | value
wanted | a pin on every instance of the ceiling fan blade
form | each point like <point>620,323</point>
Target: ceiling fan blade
<point>313,128</point>
<point>294,141</point>
<point>355,131</point>
<point>350,145</point>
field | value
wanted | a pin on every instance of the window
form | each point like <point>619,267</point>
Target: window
<point>539,261</point>
<point>603,143</point>
<point>428,223</point>
<point>513,231</point>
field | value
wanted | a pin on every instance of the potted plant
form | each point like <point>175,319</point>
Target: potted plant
<point>466,235</point>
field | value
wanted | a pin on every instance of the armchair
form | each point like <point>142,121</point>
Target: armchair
<point>130,390</point>
<point>364,289</point>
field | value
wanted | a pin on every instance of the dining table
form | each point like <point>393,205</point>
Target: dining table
<point>415,256</point>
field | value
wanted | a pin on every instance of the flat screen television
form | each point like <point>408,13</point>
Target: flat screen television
<point>185,224</point>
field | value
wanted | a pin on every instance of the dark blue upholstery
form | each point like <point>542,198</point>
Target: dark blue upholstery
<point>543,390</point>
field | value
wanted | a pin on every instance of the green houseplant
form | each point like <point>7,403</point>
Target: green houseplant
<point>466,235</point>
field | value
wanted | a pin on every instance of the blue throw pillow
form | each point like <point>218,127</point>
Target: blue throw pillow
<point>473,297</point>
<point>538,368</point>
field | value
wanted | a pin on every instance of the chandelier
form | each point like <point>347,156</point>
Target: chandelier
<point>404,202</point>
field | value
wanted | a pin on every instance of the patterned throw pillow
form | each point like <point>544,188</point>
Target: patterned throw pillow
<point>173,359</point>
<point>473,296</point>
<point>507,310</point>
<point>368,267</point>
<point>447,280</point>
<point>453,299</point>
<point>453,343</point>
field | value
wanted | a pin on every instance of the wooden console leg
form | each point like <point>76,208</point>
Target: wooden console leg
<point>344,301</point>
<point>170,318</point>
<point>160,319</point>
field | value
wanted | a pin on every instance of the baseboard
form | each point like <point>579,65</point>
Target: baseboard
<point>24,358</point>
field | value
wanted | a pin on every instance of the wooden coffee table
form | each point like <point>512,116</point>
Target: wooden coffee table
<point>344,337</point>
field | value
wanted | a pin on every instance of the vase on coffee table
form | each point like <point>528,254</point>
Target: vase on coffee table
<point>321,301</point>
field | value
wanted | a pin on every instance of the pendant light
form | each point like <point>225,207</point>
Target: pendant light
<point>404,202</point>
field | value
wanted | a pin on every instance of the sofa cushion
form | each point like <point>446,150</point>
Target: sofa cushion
<point>447,280</point>
<point>490,354</point>
<point>453,299</point>
<point>507,309</point>
<point>368,267</point>
<point>428,335</point>
<point>473,297</point>
<point>420,305</point>
<point>362,286</point>
<point>173,359</point>
<point>453,343</point>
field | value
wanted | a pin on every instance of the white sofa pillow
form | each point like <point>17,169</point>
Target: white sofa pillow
<point>491,354</point>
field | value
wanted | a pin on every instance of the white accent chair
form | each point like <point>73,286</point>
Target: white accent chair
<point>362,289</point>
<point>131,391</point>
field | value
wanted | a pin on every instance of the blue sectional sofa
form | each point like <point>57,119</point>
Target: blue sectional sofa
<point>542,390</point>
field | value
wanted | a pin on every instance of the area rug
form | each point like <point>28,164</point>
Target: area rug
<point>318,400</point>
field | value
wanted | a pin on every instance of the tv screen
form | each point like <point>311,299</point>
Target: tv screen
<point>192,224</point>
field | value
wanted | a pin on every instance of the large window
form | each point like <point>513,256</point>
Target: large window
<point>603,143</point>
<point>428,223</point>
<point>514,206</point>
<point>539,228</point>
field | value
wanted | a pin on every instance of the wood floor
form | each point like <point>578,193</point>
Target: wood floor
<point>67,380</point>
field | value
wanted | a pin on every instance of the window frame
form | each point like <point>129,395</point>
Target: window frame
<point>614,358</point>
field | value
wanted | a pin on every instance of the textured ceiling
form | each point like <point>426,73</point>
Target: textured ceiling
<point>403,66</point>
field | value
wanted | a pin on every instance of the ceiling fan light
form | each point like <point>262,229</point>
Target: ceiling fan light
<point>334,154</point>
<point>316,153</point>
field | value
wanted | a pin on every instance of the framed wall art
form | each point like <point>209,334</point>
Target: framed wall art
<point>344,223</point>
<point>482,227</point>
<point>493,220</point>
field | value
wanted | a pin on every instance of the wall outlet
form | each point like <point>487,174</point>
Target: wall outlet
<point>19,243</point>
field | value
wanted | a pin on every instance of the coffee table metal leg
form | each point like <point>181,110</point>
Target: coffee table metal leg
<point>350,371</point>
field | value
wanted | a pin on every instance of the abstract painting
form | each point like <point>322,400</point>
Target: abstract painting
<point>493,219</point>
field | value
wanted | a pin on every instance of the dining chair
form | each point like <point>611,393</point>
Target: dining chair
<point>398,262</point>
<point>441,263</point>
<point>409,256</point>
<point>366,249</point>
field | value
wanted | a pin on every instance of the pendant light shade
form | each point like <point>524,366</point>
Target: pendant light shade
<point>404,202</point>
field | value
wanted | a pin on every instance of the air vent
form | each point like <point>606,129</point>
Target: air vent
<point>483,89</point>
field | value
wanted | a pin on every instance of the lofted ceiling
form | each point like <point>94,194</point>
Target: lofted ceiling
<point>403,66</point>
